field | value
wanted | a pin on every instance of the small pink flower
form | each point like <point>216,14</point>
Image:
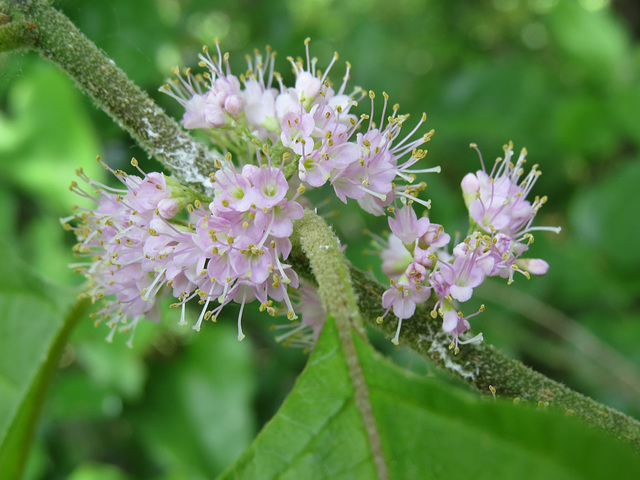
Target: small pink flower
<point>296,132</point>
<point>406,225</point>
<point>403,298</point>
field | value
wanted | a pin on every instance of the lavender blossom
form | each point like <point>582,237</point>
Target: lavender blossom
<point>231,251</point>
<point>501,220</point>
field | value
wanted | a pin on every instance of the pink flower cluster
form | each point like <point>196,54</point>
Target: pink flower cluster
<point>156,237</point>
<point>416,258</point>
<point>310,123</point>
<point>229,250</point>
<point>114,238</point>
<point>232,246</point>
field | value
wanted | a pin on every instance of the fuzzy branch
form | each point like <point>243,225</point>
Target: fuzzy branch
<point>320,246</point>
<point>481,366</point>
<point>35,24</point>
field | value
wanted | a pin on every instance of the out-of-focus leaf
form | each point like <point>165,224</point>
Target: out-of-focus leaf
<point>7,212</point>
<point>576,268</point>
<point>141,28</point>
<point>605,217</point>
<point>582,126</point>
<point>35,321</point>
<point>427,429</point>
<point>102,376</point>
<point>196,416</point>
<point>594,39</point>
<point>97,472</point>
<point>46,136</point>
<point>45,248</point>
<point>626,105</point>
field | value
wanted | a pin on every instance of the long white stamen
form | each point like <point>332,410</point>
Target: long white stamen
<point>395,340</point>
<point>424,170</point>
<point>381,196</point>
<point>326,72</point>
<point>240,333</point>
<point>291,332</point>
<point>424,203</point>
<point>415,129</point>
<point>151,291</point>
<point>196,327</point>
<point>479,338</point>
<point>183,319</point>
<point>546,229</point>
<point>132,326</point>
<point>112,332</point>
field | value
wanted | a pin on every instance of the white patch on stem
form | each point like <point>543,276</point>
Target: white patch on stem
<point>445,355</point>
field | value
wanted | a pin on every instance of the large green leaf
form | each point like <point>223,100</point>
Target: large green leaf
<point>35,320</point>
<point>427,430</point>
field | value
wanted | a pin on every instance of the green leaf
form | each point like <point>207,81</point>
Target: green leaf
<point>427,429</point>
<point>35,321</point>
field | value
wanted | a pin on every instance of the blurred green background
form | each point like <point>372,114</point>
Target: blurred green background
<point>560,77</point>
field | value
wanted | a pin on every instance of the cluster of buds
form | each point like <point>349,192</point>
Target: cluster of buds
<point>157,238</point>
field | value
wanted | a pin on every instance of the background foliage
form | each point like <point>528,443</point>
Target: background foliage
<point>560,77</point>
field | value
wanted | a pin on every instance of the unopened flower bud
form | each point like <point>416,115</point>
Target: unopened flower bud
<point>535,266</point>
<point>470,187</point>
